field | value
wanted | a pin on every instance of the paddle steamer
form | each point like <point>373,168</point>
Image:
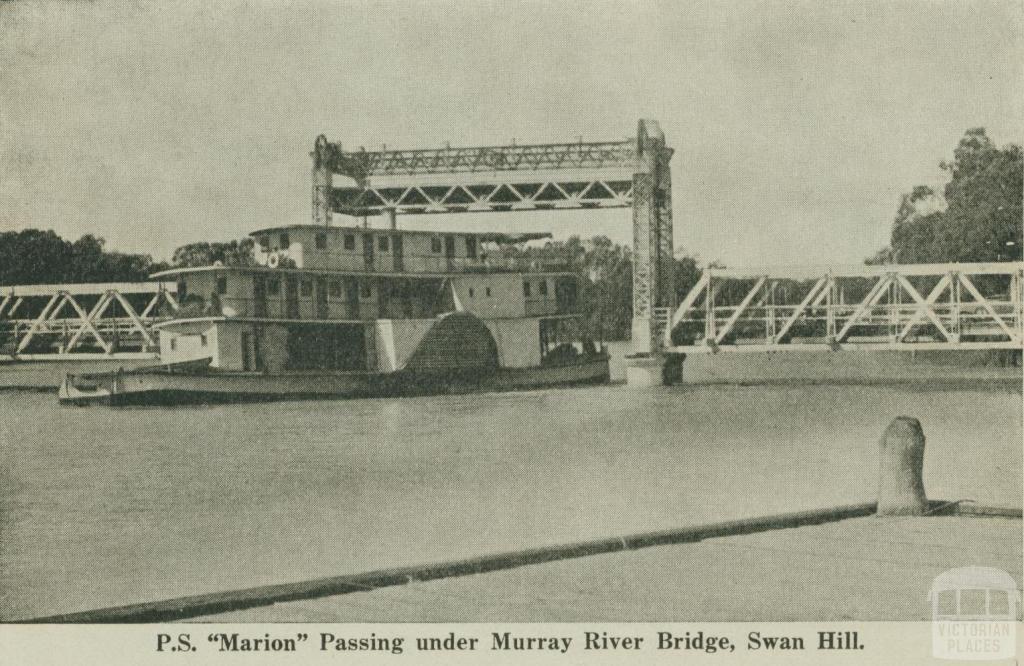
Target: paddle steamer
<point>361,312</point>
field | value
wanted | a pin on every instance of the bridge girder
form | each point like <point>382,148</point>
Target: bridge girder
<point>896,307</point>
<point>67,321</point>
<point>484,197</point>
<point>363,165</point>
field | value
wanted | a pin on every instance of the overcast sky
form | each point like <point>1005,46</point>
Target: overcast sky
<point>796,125</point>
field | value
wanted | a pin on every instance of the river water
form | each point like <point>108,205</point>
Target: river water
<point>103,507</point>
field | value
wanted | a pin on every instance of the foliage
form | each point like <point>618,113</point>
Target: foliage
<point>34,256</point>
<point>233,253</point>
<point>606,272</point>
<point>978,218</point>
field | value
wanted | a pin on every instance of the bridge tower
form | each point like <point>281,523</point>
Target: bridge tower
<point>653,265</point>
<point>633,173</point>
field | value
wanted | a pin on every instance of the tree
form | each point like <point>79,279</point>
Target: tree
<point>232,253</point>
<point>978,218</point>
<point>33,256</point>
<point>606,278</point>
<point>983,220</point>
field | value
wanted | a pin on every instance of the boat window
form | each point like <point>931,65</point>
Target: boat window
<point>435,245</point>
<point>365,288</point>
<point>471,292</point>
<point>335,289</point>
<point>202,340</point>
<point>307,287</point>
<point>488,291</point>
<point>542,287</point>
<point>264,242</point>
<point>182,289</point>
<point>383,243</point>
<point>222,284</point>
<point>274,286</point>
<point>565,294</point>
<point>526,288</point>
<point>284,241</point>
<point>321,241</point>
<point>350,241</point>
<point>471,247</point>
<point>174,344</point>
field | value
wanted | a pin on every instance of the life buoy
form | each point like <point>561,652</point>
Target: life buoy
<point>274,260</point>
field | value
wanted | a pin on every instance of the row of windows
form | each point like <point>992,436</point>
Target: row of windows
<point>334,288</point>
<point>273,287</point>
<point>542,288</point>
<point>383,243</point>
<point>306,288</point>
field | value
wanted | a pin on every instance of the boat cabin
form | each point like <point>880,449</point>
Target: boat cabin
<point>361,249</point>
<point>353,299</point>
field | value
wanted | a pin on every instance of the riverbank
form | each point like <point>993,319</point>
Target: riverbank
<point>864,569</point>
<point>848,367</point>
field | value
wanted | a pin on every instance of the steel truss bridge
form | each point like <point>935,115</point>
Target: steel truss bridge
<point>940,306</point>
<point>895,307</point>
<point>83,321</point>
<point>632,173</point>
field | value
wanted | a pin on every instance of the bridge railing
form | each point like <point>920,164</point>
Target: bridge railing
<point>78,321</point>
<point>921,306</point>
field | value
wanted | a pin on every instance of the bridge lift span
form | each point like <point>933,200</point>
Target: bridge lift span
<point>561,176</point>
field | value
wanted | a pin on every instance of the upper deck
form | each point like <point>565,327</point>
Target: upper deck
<point>318,273</point>
<point>292,294</point>
<point>362,249</point>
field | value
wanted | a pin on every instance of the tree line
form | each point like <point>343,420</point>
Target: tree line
<point>34,256</point>
<point>977,217</point>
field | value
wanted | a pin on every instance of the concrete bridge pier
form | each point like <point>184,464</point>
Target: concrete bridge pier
<point>648,370</point>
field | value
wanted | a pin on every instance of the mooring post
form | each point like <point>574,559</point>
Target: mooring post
<point>900,467</point>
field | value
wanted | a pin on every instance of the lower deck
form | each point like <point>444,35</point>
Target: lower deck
<point>156,386</point>
<point>456,340</point>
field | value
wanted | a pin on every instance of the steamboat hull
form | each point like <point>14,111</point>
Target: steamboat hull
<point>158,387</point>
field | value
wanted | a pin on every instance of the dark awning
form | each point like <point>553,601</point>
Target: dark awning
<point>512,239</point>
